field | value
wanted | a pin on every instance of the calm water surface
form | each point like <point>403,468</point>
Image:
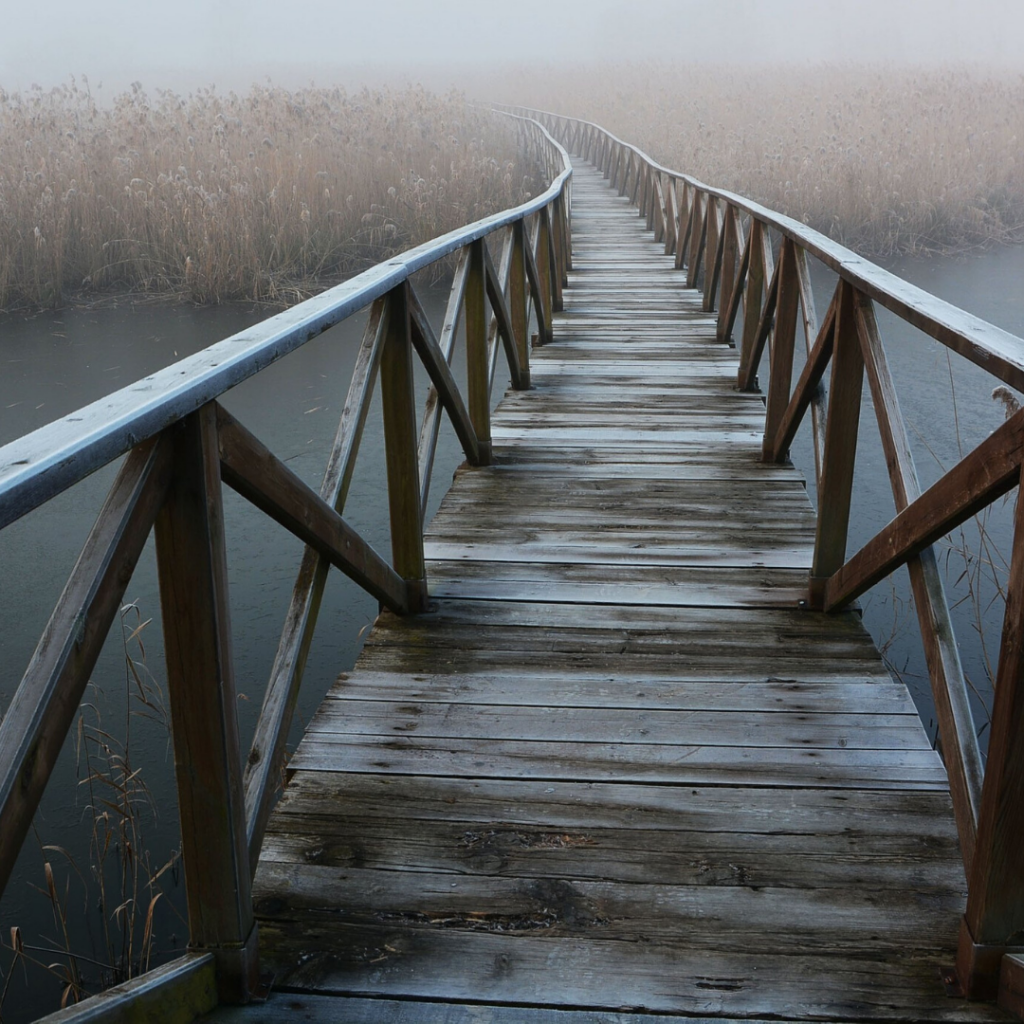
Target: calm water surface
<point>53,363</point>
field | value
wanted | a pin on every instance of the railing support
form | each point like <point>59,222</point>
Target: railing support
<point>994,922</point>
<point>781,371</point>
<point>192,570</point>
<point>518,298</point>
<point>477,370</point>
<point>397,385</point>
<point>836,486</point>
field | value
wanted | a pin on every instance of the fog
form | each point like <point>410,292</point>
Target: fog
<point>231,43</point>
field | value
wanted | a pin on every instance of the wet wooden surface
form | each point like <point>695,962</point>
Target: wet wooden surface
<point>617,768</point>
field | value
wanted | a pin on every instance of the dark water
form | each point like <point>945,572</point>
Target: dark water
<point>54,363</point>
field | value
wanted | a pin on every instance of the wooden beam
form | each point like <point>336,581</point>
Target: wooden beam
<point>698,237</point>
<point>977,480</point>
<point>475,318</point>
<point>194,603</point>
<point>264,761</point>
<point>1011,985</point>
<point>431,423</point>
<point>809,384</point>
<point>753,295</point>
<point>729,311</point>
<point>781,375</point>
<point>398,403</point>
<point>544,330</point>
<point>962,755</point>
<point>46,701</point>
<point>442,381</point>
<point>519,300</point>
<point>840,449</point>
<point>712,265</point>
<point>251,469</point>
<point>496,295</point>
<point>995,890</point>
<point>182,990</point>
<point>810,318</point>
<point>725,269</point>
<point>765,323</point>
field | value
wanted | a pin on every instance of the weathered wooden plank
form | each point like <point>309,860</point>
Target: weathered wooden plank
<point>490,966</point>
<point>614,736</point>
<point>843,693</point>
<point>353,1010</point>
<point>174,993</point>
<point>862,862</point>
<point>727,918</point>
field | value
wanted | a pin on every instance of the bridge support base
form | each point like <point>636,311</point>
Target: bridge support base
<point>979,968</point>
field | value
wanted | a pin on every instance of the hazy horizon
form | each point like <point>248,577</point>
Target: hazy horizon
<point>232,44</point>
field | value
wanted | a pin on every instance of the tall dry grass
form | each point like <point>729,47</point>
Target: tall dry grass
<point>263,196</point>
<point>883,159</point>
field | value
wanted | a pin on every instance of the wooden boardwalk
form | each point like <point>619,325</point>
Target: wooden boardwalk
<point>616,769</point>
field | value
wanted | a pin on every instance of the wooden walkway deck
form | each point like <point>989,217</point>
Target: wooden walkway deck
<point>616,769</point>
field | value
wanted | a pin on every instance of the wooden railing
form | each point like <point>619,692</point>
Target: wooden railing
<point>181,444</point>
<point>727,246</point>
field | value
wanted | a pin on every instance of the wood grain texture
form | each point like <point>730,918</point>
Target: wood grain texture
<point>617,765</point>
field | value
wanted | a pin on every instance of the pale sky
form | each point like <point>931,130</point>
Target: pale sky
<point>184,43</point>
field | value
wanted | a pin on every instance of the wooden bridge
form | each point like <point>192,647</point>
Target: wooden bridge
<point>614,750</point>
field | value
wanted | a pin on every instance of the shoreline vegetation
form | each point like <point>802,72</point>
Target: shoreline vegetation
<point>267,196</point>
<point>886,160</point>
<point>273,195</point>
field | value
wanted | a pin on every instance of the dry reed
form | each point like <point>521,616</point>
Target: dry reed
<point>883,159</point>
<point>265,196</point>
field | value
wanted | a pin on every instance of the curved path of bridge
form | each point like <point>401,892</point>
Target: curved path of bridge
<point>616,769</point>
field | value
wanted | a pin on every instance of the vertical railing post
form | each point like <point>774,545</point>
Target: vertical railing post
<point>544,263</point>
<point>518,296</point>
<point>836,487</point>
<point>753,297</point>
<point>711,258</point>
<point>780,374</point>
<point>995,886</point>
<point>192,570</point>
<point>685,225</point>
<point>477,368</point>
<point>698,236</point>
<point>398,403</point>
<point>728,272</point>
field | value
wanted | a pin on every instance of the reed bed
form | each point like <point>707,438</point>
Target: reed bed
<point>883,159</point>
<point>266,196</point>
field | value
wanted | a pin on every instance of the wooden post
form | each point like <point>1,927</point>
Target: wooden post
<point>204,727</point>
<point>994,921</point>
<point>543,260</point>
<point>840,448</point>
<point>727,274</point>
<point>698,236</point>
<point>398,402</point>
<point>685,227</point>
<point>477,370</point>
<point>558,246</point>
<point>518,298</point>
<point>781,371</point>
<point>711,259</point>
<point>753,297</point>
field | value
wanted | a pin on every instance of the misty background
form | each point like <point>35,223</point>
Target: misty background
<point>232,43</point>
